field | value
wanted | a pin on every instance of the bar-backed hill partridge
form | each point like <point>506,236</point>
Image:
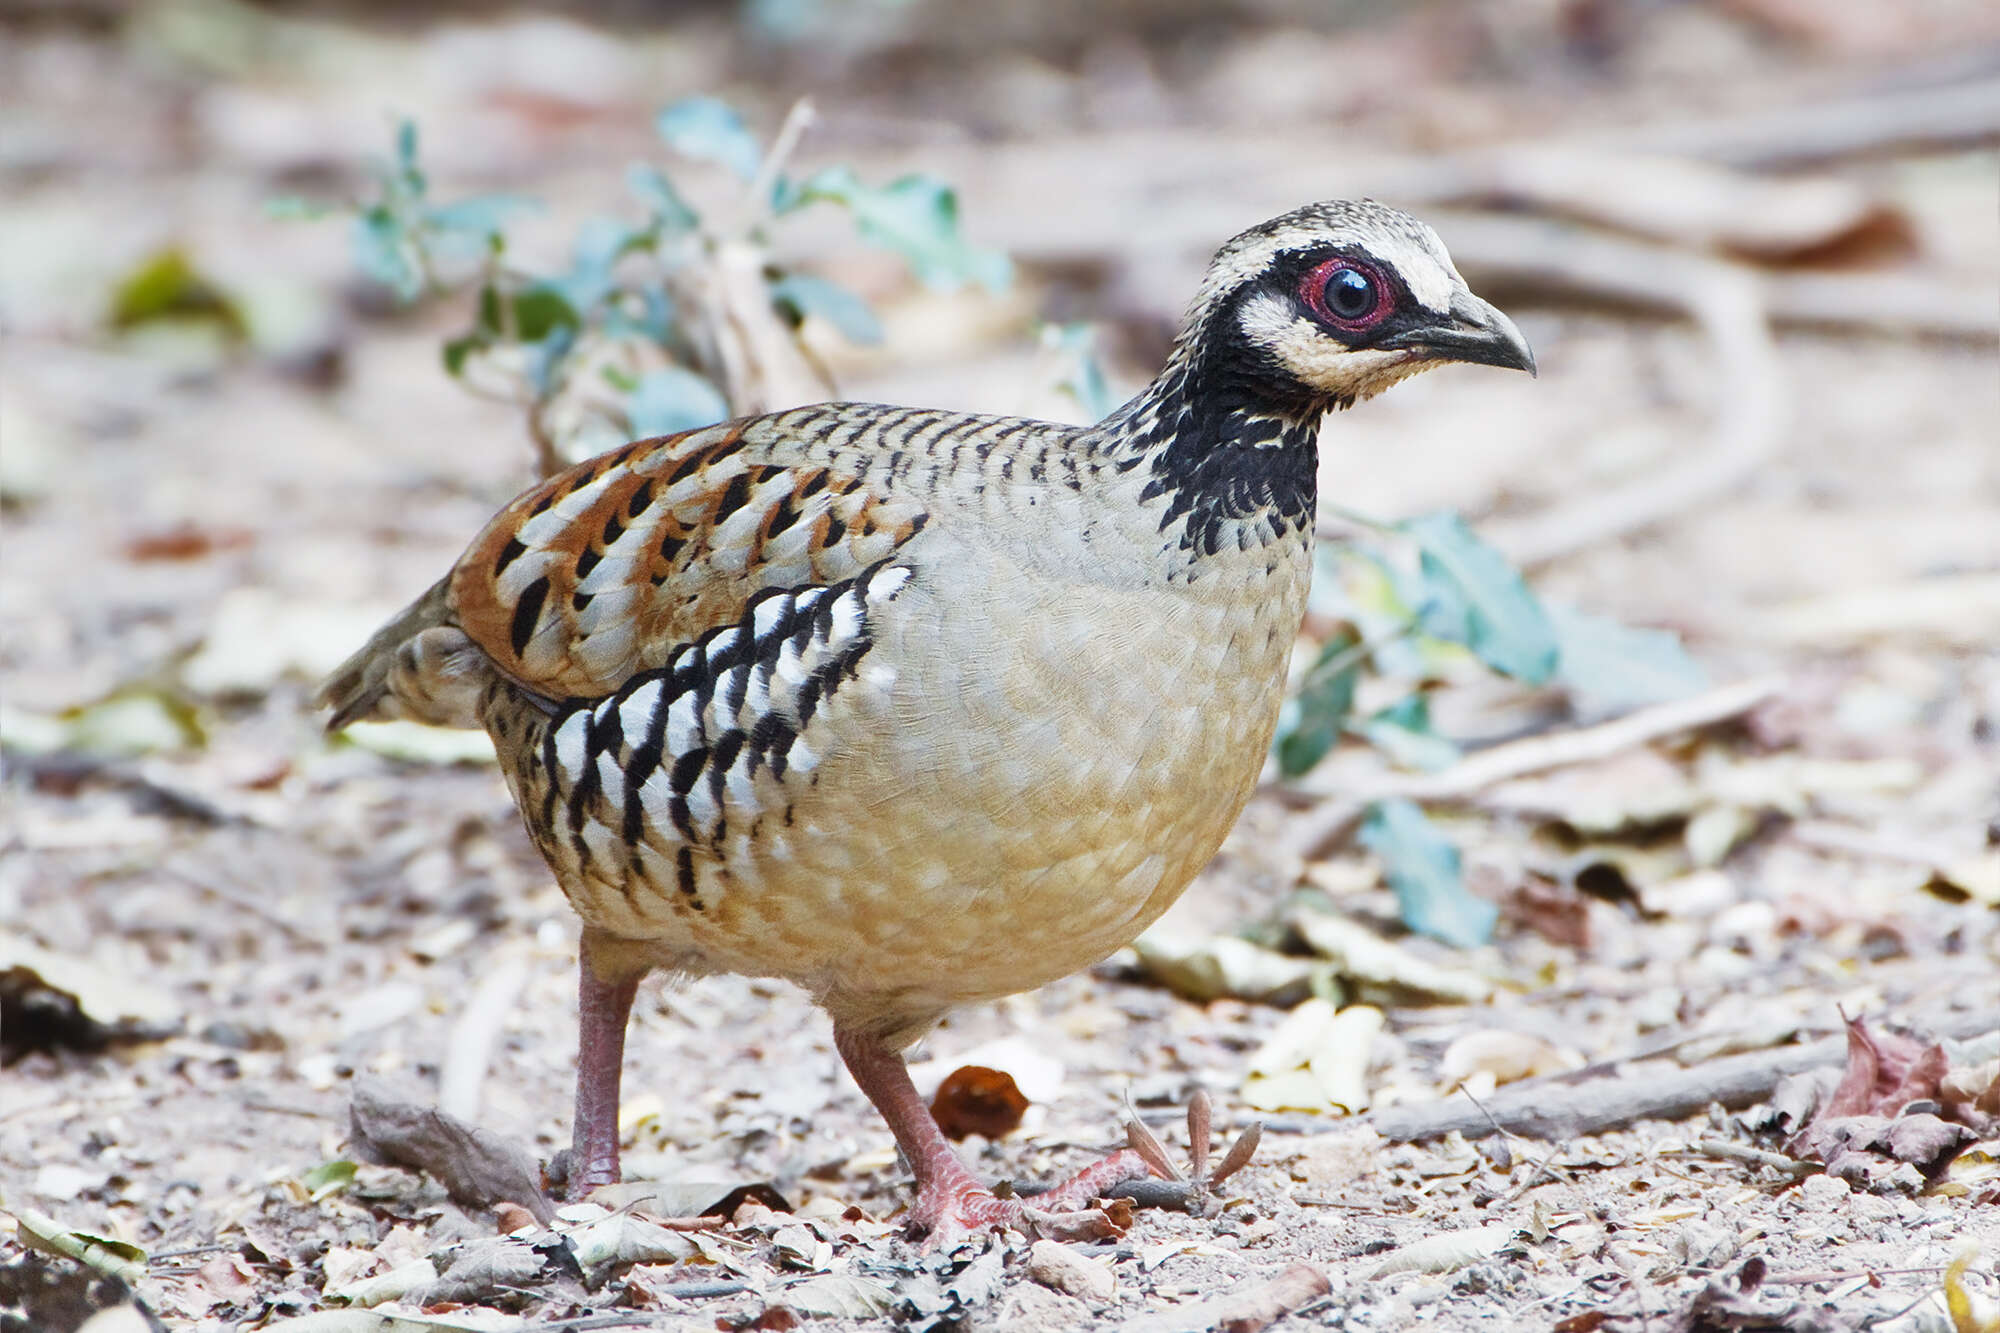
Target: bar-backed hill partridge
<point>916,708</point>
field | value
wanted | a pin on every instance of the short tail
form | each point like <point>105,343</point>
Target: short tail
<point>419,666</point>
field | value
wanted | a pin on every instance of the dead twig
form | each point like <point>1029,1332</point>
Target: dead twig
<point>1752,403</point>
<point>1826,835</point>
<point>1546,1108</point>
<point>469,1050</point>
<point>1314,831</point>
<point>1743,1152</point>
<point>1947,117</point>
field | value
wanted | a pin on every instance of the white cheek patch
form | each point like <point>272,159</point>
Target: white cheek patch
<point>1266,319</point>
<point>1319,361</point>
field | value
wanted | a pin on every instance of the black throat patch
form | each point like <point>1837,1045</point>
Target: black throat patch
<point>1232,445</point>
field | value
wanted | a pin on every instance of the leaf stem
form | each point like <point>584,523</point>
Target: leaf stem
<point>1359,520</point>
<point>797,121</point>
<point>1359,652</point>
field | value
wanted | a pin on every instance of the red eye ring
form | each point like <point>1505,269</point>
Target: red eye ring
<point>1313,291</point>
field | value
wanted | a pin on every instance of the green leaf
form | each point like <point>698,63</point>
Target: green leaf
<point>1403,732</point>
<point>917,217</point>
<point>672,400</point>
<point>808,295</point>
<point>488,319</point>
<point>599,245</point>
<point>328,1178</point>
<point>292,208</point>
<point>546,358</point>
<point>619,378</point>
<point>1315,716</point>
<point>382,251</point>
<point>1423,868</point>
<point>540,309</point>
<point>406,146</point>
<point>1617,666</point>
<point>165,287</point>
<point>710,130</point>
<point>483,215</point>
<point>456,350</point>
<point>653,319</point>
<point>1474,597</point>
<point>1086,382</point>
<point>662,200</point>
<point>405,183</point>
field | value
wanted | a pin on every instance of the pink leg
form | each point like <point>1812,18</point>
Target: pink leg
<point>950,1202</point>
<point>602,1010</point>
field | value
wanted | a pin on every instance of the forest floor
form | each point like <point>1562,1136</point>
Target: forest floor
<point>262,916</point>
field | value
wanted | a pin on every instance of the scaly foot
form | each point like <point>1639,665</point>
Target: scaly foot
<point>951,1205</point>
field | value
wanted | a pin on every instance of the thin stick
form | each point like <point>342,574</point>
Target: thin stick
<point>1544,1108</point>
<point>1312,832</point>
<point>469,1049</point>
<point>1752,412</point>
<point>1739,1152</point>
<point>797,121</point>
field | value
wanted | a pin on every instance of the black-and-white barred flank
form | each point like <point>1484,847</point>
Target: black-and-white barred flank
<point>652,773</point>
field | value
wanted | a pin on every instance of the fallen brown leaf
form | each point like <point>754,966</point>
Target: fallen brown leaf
<point>477,1167</point>
<point>1885,1073</point>
<point>976,1100</point>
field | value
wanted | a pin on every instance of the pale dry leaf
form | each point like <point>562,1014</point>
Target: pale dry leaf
<point>1347,1047</point>
<point>480,1269</point>
<point>1976,1170</point>
<point>1505,1056</point>
<point>1445,1253</point>
<point>839,1296</point>
<point>343,1265</point>
<point>1244,1308</point>
<point>1328,1162</point>
<point>622,1239</point>
<point>1213,967</point>
<point>1063,1269</point>
<point>381,1288</point>
<point>1374,966</point>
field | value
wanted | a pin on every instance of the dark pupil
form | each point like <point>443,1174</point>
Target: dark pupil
<point>1349,293</point>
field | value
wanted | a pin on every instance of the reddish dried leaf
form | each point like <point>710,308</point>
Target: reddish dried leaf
<point>511,1217</point>
<point>1885,1073</point>
<point>1239,1154</point>
<point>1926,1142</point>
<point>1089,1224</point>
<point>1199,1118</point>
<point>976,1100</point>
<point>1147,1144</point>
<point>229,1279</point>
<point>1556,912</point>
<point>185,542</point>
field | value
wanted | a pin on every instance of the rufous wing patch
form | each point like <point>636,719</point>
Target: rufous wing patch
<point>600,572</point>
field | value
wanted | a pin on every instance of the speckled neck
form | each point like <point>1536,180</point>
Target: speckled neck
<point>1230,464</point>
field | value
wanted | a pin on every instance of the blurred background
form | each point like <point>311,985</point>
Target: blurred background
<point>294,295</point>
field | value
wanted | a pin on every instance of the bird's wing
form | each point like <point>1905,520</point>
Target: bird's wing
<point>602,571</point>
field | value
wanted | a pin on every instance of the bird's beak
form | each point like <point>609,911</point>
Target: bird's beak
<point>1474,331</point>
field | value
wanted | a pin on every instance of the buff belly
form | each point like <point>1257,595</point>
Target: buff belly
<point>1070,781</point>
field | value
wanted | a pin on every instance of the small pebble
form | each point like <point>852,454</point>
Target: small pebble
<point>1823,1191</point>
<point>1064,1270</point>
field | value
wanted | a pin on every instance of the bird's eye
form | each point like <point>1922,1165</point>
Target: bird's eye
<point>1350,293</point>
<point>1346,293</point>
